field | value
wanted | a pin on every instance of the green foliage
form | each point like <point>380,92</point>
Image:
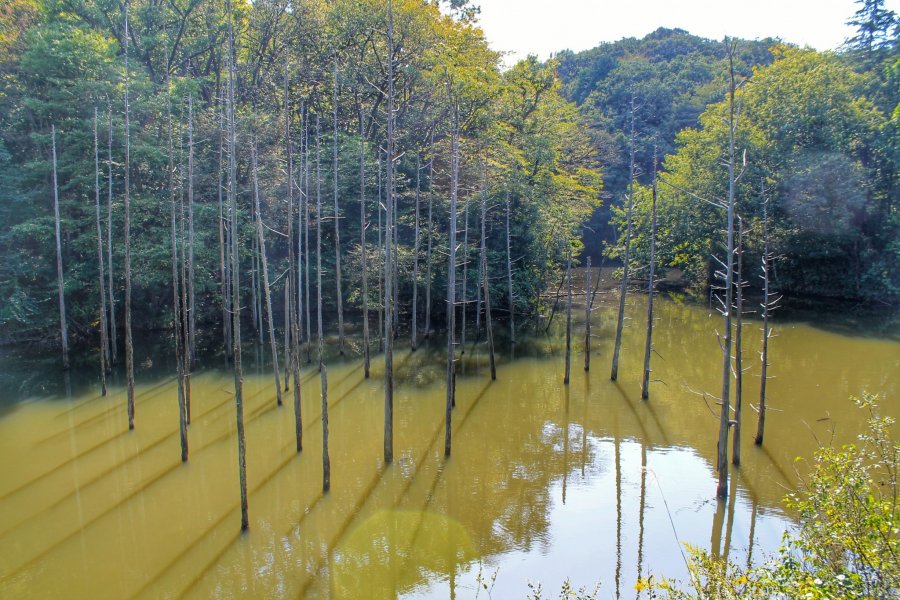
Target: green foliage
<point>849,537</point>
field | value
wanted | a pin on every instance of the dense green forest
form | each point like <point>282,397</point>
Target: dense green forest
<point>819,131</point>
<point>544,145</point>
<point>523,150</point>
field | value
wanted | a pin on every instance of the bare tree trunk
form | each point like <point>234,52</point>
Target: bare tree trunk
<point>326,459</point>
<point>512,300</point>
<point>415,297</point>
<point>648,344</point>
<point>568,313</point>
<point>482,251</point>
<point>287,330</point>
<point>223,272</point>
<point>738,352</point>
<point>129,347</point>
<point>430,236</point>
<point>192,321</point>
<point>177,313</point>
<point>319,242</point>
<point>766,306</point>
<point>306,244</point>
<point>255,309</point>
<point>113,350</point>
<point>382,264</point>
<point>388,282</point>
<point>451,282</point>
<point>264,274</point>
<point>292,320</point>
<point>363,249</point>
<point>465,279</point>
<point>623,290</point>
<point>337,216</point>
<point>103,324</point>
<point>588,303</point>
<point>235,281</point>
<point>725,416</point>
<point>487,312</point>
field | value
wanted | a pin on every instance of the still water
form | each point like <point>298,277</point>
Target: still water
<point>547,482</point>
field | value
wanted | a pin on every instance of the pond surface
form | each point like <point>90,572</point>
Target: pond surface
<point>547,482</point>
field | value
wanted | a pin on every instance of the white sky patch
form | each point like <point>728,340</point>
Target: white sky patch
<point>523,27</point>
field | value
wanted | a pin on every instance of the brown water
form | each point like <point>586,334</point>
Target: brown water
<point>546,482</point>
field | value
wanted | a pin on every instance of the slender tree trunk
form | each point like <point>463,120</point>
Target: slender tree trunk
<point>102,274</point>
<point>319,242</point>
<point>451,282</point>
<point>292,321</point>
<point>430,236</point>
<point>363,249</point>
<point>648,344</point>
<point>176,290</point>
<point>129,347</point>
<point>509,277</point>
<point>113,349</point>
<point>465,279</point>
<point>223,273</point>
<point>415,296</point>
<point>235,281</point>
<point>381,262</point>
<point>326,459</point>
<point>287,331</point>
<point>337,214</point>
<point>301,204</point>
<point>264,274</point>
<point>588,302</point>
<point>388,283</point>
<point>725,415</point>
<point>568,314</point>
<point>191,308</point>
<point>185,325</point>
<point>766,306</point>
<point>482,251</point>
<point>623,290</point>
<point>487,313</point>
<point>738,351</point>
<point>306,245</point>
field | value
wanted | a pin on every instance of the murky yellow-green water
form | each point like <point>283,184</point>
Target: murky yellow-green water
<point>546,482</point>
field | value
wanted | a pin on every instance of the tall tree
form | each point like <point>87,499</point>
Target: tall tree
<point>63,327</point>
<point>337,213</point>
<point>389,271</point>
<point>363,248</point>
<point>451,284</point>
<point>114,351</point>
<point>129,347</point>
<point>104,349</point>
<point>651,283</point>
<point>738,345</point>
<point>568,313</point>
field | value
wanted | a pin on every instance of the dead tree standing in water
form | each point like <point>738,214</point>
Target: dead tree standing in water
<point>337,216</point>
<point>648,345</point>
<point>568,313</point>
<point>104,358</point>
<point>129,347</point>
<point>738,352</point>
<point>623,288</point>
<point>363,249</point>
<point>388,270</point>
<point>323,374</point>
<point>487,312</point>
<point>264,273</point>
<point>767,304</point>
<point>63,327</point>
<point>451,282</point>
<point>113,349</point>
<point>415,296</point>
<point>430,236</point>
<point>235,280</point>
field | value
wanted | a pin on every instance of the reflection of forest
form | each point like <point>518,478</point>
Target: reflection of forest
<point>545,481</point>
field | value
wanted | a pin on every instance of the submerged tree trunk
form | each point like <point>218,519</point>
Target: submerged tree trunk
<point>192,330</point>
<point>568,314</point>
<point>725,415</point>
<point>512,302</point>
<point>129,347</point>
<point>113,345</point>
<point>388,271</point>
<point>430,236</point>
<point>177,313</point>
<point>415,296</point>
<point>451,283</point>
<point>326,461</point>
<point>648,344</point>
<point>487,313</point>
<point>623,289</point>
<point>381,262</point>
<point>292,320</point>
<point>337,218</point>
<point>264,274</point>
<point>363,249</point>
<point>738,352</point>
<point>104,359</point>
<point>235,281</point>
<point>588,301</point>
<point>767,305</point>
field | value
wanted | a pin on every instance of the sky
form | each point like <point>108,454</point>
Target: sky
<point>542,27</point>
